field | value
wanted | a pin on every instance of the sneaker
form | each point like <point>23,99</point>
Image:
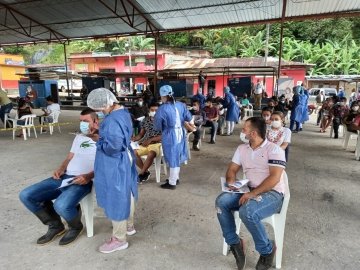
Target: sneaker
<point>212,142</point>
<point>196,148</point>
<point>113,244</point>
<point>295,131</point>
<point>177,181</point>
<point>265,262</point>
<point>168,186</point>
<point>239,254</point>
<point>130,230</point>
<point>144,177</point>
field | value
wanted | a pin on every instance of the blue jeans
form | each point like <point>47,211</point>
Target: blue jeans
<point>67,198</point>
<point>292,122</point>
<point>5,109</point>
<point>251,214</point>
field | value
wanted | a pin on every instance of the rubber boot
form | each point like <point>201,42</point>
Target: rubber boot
<point>195,146</point>
<point>49,217</point>
<point>75,229</point>
<point>239,254</point>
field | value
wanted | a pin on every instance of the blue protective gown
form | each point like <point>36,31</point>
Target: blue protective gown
<point>233,110</point>
<point>295,107</point>
<point>300,109</point>
<point>305,115</point>
<point>115,171</point>
<point>201,98</point>
<point>169,119</point>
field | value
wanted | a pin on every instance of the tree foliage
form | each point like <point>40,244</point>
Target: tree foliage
<point>331,44</point>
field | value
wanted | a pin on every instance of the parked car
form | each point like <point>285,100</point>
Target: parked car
<point>313,92</point>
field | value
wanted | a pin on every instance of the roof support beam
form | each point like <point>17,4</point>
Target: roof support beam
<point>12,10</point>
<point>281,42</point>
<point>150,24</point>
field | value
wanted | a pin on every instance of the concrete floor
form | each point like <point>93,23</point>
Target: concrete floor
<point>179,229</point>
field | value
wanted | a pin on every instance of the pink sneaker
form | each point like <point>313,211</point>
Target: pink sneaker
<point>113,244</point>
<point>130,230</point>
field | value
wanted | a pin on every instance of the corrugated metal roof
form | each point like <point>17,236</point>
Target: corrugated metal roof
<point>230,63</point>
<point>50,20</point>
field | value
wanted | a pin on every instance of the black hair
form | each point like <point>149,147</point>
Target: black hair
<point>154,104</point>
<point>209,100</point>
<point>90,111</point>
<point>196,101</point>
<point>49,98</point>
<point>21,102</point>
<point>259,125</point>
<point>266,109</point>
<point>343,99</point>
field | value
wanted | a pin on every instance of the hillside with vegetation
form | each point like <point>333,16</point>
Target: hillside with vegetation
<point>333,45</point>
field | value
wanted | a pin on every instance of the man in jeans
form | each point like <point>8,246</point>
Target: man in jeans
<point>212,116</point>
<point>79,165</point>
<point>264,163</point>
<point>338,111</point>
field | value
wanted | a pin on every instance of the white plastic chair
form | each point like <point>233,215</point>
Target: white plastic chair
<point>87,208</point>
<point>357,149</point>
<point>157,162</point>
<point>249,112</point>
<point>28,124</point>
<point>55,121</point>
<point>347,137</point>
<point>10,115</point>
<point>277,221</point>
<point>341,130</point>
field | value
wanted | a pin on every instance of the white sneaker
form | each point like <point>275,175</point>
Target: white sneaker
<point>130,230</point>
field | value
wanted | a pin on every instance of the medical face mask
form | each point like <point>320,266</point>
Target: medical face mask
<point>341,103</point>
<point>243,138</point>
<point>355,108</point>
<point>152,114</point>
<point>84,128</point>
<point>140,103</point>
<point>100,115</point>
<point>276,124</point>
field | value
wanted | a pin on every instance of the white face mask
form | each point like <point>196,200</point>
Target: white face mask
<point>355,108</point>
<point>243,138</point>
<point>266,117</point>
<point>140,103</point>
<point>152,114</point>
<point>341,103</point>
<point>276,124</point>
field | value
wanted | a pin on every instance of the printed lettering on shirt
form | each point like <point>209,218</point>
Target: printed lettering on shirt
<point>279,163</point>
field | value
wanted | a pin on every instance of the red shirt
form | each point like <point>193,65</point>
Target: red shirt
<point>211,113</point>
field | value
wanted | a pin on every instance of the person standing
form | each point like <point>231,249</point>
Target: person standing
<point>5,105</point>
<point>233,111</point>
<point>115,171</point>
<point>169,119</point>
<point>258,92</point>
<point>296,110</point>
<point>201,80</point>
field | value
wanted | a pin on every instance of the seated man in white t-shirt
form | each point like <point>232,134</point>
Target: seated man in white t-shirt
<point>79,165</point>
<point>263,163</point>
<point>51,107</point>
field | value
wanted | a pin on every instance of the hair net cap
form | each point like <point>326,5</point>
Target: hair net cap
<point>101,99</point>
<point>166,90</point>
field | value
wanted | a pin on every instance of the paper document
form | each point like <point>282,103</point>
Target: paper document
<point>140,119</point>
<point>240,185</point>
<point>67,182</point>
<point>135,145</point>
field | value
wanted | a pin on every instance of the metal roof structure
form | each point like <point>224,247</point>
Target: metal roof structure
<point>32,21</point>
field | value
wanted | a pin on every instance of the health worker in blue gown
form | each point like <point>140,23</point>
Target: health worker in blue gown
<point>232,112</point>
<point>169,119</point>
<point>115,173</point>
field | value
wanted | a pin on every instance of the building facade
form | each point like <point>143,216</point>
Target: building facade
<point>10,65</point>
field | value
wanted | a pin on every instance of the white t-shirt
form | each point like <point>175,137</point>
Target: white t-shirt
<point>84,150</point>
<point>278,136</point>
<point>259,88</point>
<point>53,107</point>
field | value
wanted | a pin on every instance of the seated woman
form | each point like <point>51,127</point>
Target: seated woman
<point>279,134</point>
<point>23,109</point>
<point>348,119</point>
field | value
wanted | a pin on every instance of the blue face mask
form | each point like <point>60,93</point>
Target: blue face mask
<point>100,115</point>
<point>84,128</point>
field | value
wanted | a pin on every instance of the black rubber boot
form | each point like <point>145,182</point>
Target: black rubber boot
<point>75,229</point>
<point>49,217</point>
<point>195,146</point>
<point>239,254</point>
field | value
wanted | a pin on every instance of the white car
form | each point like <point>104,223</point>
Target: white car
<point>313,92</point>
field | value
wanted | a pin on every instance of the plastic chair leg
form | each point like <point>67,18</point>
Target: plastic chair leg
<point>346,140</point>
<point>164,166</point>
<point>279,230</point>
<point>87,206</point>
<point>225,248</point>
<point>35,132</point>
<point>203,136</point>
<point>331,131</point>
<point>24,132</point>
<point>157,169</point>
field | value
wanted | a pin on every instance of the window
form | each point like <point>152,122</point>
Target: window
<point>127,63</point>
<point>150,62</point>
